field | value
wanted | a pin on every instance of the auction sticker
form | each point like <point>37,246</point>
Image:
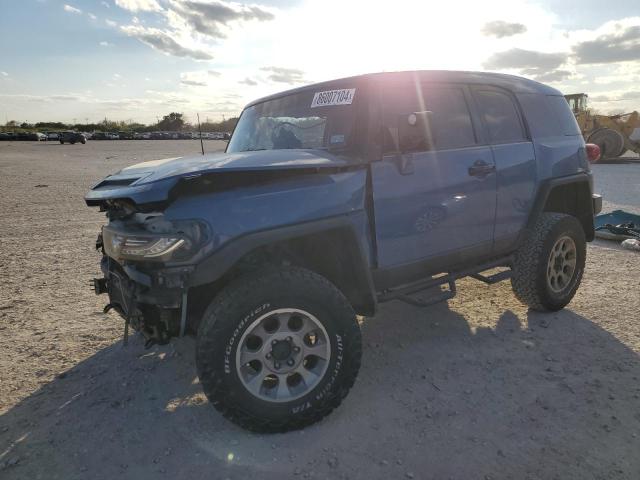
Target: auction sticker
<point>333,97</point>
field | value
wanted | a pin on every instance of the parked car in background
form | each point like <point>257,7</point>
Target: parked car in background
<point>53,135</point>
<point>41,137</point>
<point>72,137</point>
<point>125,135</point>
<point>112,136</point>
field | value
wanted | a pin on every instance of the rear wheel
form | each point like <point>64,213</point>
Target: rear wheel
<point>278,349</point>
<point>549,264</point>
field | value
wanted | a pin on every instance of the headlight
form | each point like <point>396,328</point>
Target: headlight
<point>141,247</point>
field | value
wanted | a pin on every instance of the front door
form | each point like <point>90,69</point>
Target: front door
<point>438,198</point>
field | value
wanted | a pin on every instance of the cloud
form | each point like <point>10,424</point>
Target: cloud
<point>199,78</point>
<point>92,16</point>
<point>630,95</point>
<point>284,75</point>
<point>211,18</point>
<point>517,58</point>
<point>4,74</point>
<point>164,42</point>
<point>622,45</point>
<point>106,44</point>
<point>139,5</point>
<point>540,65</point>
<point>249,81</point>
<point>554,76</point>
<point>43,98</point>
<point>111,23</point>
<point>105,4</point>
<point>193,83</point>
<point>66,98</point>
<point>70,9</point>
<point>500,29</point>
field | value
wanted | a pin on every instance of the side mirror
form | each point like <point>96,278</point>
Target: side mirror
<point>414,132</point>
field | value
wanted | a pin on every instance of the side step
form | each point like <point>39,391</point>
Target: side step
<point>495,278</point>
<point>403,293</point>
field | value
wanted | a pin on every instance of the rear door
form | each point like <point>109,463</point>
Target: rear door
<point>514,159</point>
<point>442,200</point>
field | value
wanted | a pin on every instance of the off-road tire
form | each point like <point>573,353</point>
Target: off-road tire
<point>236,307</point>
<point>529,280</point>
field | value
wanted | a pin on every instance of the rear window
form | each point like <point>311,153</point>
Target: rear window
<point>500,116</point>
<point>563,114</point>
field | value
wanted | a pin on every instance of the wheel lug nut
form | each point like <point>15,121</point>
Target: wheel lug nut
<point>268,355</point>
<point>277,364</point>
<point>296,349</point>
<point>273,342</point>
<point>290,362</point>
<point>288,339</point>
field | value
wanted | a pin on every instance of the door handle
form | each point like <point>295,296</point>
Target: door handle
<point>480,168</point>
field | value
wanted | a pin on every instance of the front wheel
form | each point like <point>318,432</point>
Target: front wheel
<point>278,350</point>
<point>549,264</point>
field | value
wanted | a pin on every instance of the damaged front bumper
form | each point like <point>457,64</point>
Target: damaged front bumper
<point>152,299</point>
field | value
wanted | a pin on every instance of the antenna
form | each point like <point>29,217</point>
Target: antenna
<point>200,130</point>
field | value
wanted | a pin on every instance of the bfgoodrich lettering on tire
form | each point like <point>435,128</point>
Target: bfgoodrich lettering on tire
<point>278,349</point>
<point>549,264</point>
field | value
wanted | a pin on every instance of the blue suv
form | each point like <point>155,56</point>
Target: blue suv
<point>330,199</point>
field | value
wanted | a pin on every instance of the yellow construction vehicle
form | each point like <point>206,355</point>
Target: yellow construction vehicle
<point>614,134</point>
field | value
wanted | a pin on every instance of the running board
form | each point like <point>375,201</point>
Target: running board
<point>495,278</point>
<point>403,293</point>
<point>441,297</point>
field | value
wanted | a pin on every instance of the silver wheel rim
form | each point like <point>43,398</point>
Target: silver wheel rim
<point>283,355</point>
<point>561,264</point>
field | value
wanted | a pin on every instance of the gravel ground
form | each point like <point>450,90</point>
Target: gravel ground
<point>476,388</point>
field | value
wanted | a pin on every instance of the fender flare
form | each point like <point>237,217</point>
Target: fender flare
<point>226,257</point>
<point>543,193</point>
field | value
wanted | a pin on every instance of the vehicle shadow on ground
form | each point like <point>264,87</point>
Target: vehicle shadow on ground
<point>546,396</point>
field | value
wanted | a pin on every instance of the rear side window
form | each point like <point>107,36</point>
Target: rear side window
<point>563,114</point>
<point>450,120</point>
<point>501,116</point>
<point>541,120</point>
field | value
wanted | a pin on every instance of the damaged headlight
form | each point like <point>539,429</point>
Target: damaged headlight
<point>141,247</point>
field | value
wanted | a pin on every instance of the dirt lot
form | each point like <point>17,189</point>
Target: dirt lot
<point>478,388</point>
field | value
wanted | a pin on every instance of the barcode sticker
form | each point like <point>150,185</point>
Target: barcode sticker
<point>333,97</point>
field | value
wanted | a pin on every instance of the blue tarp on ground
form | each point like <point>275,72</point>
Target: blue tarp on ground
<point>621,225</point>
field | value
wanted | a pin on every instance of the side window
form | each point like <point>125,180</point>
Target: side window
<point>501,116</point>
<point>450,120</point>
<point>563,113</point>
<point>451,125</point>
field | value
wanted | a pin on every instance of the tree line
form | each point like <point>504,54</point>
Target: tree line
<point>173,122</point>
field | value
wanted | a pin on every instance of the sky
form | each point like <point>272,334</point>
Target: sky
<point>137,60</point>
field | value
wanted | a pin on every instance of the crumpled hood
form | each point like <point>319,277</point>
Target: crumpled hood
<point>151,181</point>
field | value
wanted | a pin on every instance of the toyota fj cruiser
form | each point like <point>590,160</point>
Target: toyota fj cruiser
<point>334,197</point>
